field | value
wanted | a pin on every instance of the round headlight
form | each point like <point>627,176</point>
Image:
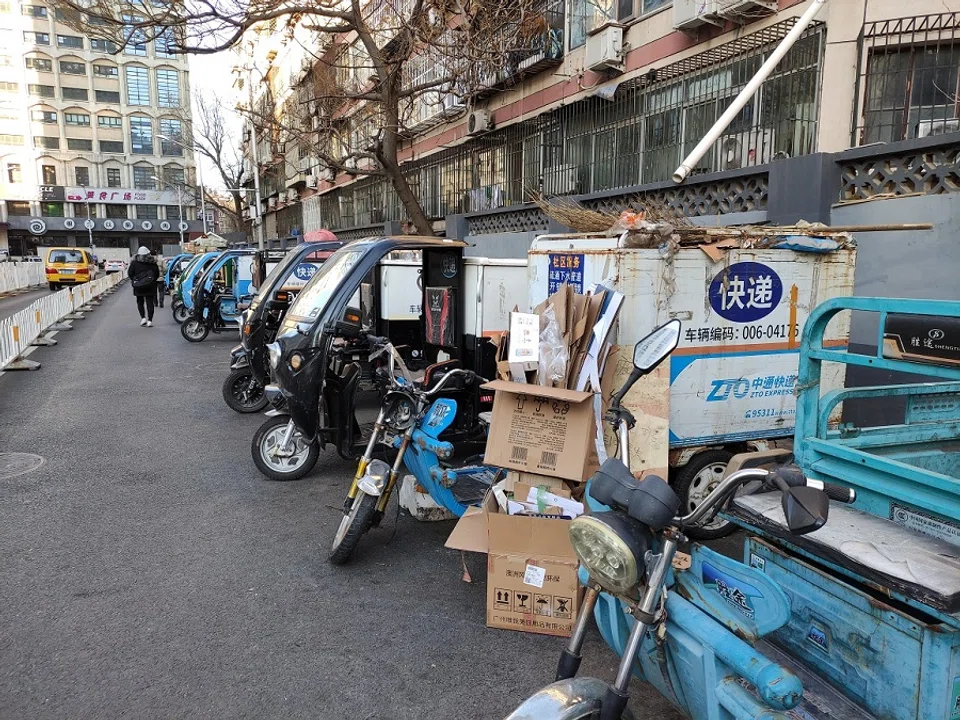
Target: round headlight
<point>612,549</point>
<point>273,352</point>
<point>296,361</point>
<point>401,412</point>
<point>374,479</point>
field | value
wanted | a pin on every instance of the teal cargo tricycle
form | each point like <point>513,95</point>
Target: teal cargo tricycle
<point>844,610</point>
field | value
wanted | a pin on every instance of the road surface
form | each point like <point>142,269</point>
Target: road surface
<point>148,571</point>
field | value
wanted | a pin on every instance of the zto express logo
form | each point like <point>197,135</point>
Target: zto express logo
<point>745,292</point>
<point>305,271</point>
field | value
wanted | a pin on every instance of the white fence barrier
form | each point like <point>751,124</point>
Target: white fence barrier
<point>20,331</point>
<point>18,276</point>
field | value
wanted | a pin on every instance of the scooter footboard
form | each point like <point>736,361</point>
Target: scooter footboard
<point>701,665</point>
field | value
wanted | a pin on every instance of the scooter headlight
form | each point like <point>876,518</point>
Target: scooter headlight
<point>273,353</point>
<point>401,411</point>
<point>612,548</point>
<point>375,477</point>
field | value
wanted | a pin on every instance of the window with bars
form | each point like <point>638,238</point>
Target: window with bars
<point>82,176</point>
<point>168,88</point>
<point>148,212</point>
<point>71,67</point>
<point>39,64</point>
<point>911,90</point>
<point>106,71</point>
<point>113,177</point>
<point>172,212</point>
<point>174,176</point>
<point>79,119</point>
<point>143,177</point>
<point>138,85</point>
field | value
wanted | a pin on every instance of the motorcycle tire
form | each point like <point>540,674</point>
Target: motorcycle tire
<point>694,481</point>
<point>353,527</point>
<point>243,393</point>
<point>194,330</point>
<point>180,313</point>
<point>266,437</point>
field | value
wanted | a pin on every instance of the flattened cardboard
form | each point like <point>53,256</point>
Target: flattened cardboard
<point>543,430</point>
<point>533,480</point>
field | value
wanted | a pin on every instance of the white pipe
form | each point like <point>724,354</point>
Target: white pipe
<point>686,167</point>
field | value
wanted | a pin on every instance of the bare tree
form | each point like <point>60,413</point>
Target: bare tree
<point>380,65</point>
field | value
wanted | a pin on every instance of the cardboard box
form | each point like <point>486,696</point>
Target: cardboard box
<point>533,480</point>
<point>543,430</point>
<point>531,568</point>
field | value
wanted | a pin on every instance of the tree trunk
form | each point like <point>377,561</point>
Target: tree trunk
<point>387,155</point>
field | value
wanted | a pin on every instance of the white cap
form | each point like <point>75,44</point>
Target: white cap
<point>143,251</point>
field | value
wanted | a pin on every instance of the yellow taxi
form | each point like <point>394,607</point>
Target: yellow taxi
<point>69,266</point>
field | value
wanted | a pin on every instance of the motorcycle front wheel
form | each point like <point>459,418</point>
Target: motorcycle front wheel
<point>264,449</point>
<point>180,313</point>
<point>353,527</point>
<point>243,393</point>
<point>194,330</point>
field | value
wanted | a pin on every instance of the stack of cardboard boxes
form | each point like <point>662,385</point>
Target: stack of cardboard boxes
<point>544,431</point>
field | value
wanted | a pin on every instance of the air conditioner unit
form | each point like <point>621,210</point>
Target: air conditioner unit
<point>350,162</point>
<point>746,149</point>
<point>691,14</point>
<point>561,180</point>
<point>479,121</point>
<point>605,49</point>
<point>927,128</point>
<point>292,195</point>
<point>752,9</point>
<point>312,181</point>
<point>271,203</point>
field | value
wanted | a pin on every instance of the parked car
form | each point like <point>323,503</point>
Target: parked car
<point>69,266</point>
<point>112,266</point>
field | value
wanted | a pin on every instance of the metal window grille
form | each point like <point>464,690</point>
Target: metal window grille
<point>143,177</point>
<point>638,136</point>
<point>908,79</point>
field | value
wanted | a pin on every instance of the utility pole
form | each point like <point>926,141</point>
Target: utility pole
<point>258,218</point>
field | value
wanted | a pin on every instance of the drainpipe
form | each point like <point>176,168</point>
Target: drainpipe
<point>690,162</point>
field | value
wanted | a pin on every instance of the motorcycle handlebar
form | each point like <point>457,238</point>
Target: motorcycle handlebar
<point>469,374</point>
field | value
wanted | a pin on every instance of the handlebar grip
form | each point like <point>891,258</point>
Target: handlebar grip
<point>377,340</point>
<point>791,475</point>
<point>835,492</point>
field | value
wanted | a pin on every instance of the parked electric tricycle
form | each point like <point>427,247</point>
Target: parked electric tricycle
<point>182,293</point>
<point>175,267</point>
<point>321,354</point>
<point>219,295</point>
<point>858,617</point>
<point>414,415</point>
<point>285,275</point>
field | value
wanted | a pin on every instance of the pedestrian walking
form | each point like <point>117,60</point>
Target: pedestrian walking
<point>161,281</point>
<point>143,273</point>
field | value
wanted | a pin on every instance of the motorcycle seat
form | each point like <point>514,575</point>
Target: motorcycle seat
<point>923,568</point>
<point>434,373</point>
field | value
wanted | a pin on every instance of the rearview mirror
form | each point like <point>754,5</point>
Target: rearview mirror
<point>805,509</point>
<point>657,346</point>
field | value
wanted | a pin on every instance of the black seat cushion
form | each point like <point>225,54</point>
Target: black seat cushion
<point>920,567</point>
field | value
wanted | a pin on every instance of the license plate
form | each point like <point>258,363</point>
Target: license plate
<point>65,271</point>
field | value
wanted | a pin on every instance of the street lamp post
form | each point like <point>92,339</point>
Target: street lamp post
<point>203,205</point>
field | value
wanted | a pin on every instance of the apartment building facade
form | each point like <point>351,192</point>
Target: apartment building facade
<point>619,91</point>
<point>92,139</point>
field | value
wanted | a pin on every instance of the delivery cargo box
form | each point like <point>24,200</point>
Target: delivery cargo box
<point>743,299</point>
<point>531,568</point>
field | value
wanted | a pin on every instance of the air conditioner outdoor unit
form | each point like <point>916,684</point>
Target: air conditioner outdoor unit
<point>691,14</point>
<point>561,180</point>
<point>926,128</point>
<point>479,121</point>
<point>605,49</point>
<point>746,149</point>
<point>754,9</point>
<point>350,162</point>
<point>312,181</point>
<point>271,203</point>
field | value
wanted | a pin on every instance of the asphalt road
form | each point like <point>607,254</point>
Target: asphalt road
<point>147,570</point>
<point>15,303</point>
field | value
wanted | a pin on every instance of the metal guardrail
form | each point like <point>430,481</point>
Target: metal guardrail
<point>19,276</point>
<point>21,330</point>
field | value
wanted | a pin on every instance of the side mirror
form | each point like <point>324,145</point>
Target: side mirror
<point>349,326</point>
<point>656,347</point>
<point>805,509</point>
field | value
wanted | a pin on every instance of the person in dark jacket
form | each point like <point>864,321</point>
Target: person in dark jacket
<point>143,273</point>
